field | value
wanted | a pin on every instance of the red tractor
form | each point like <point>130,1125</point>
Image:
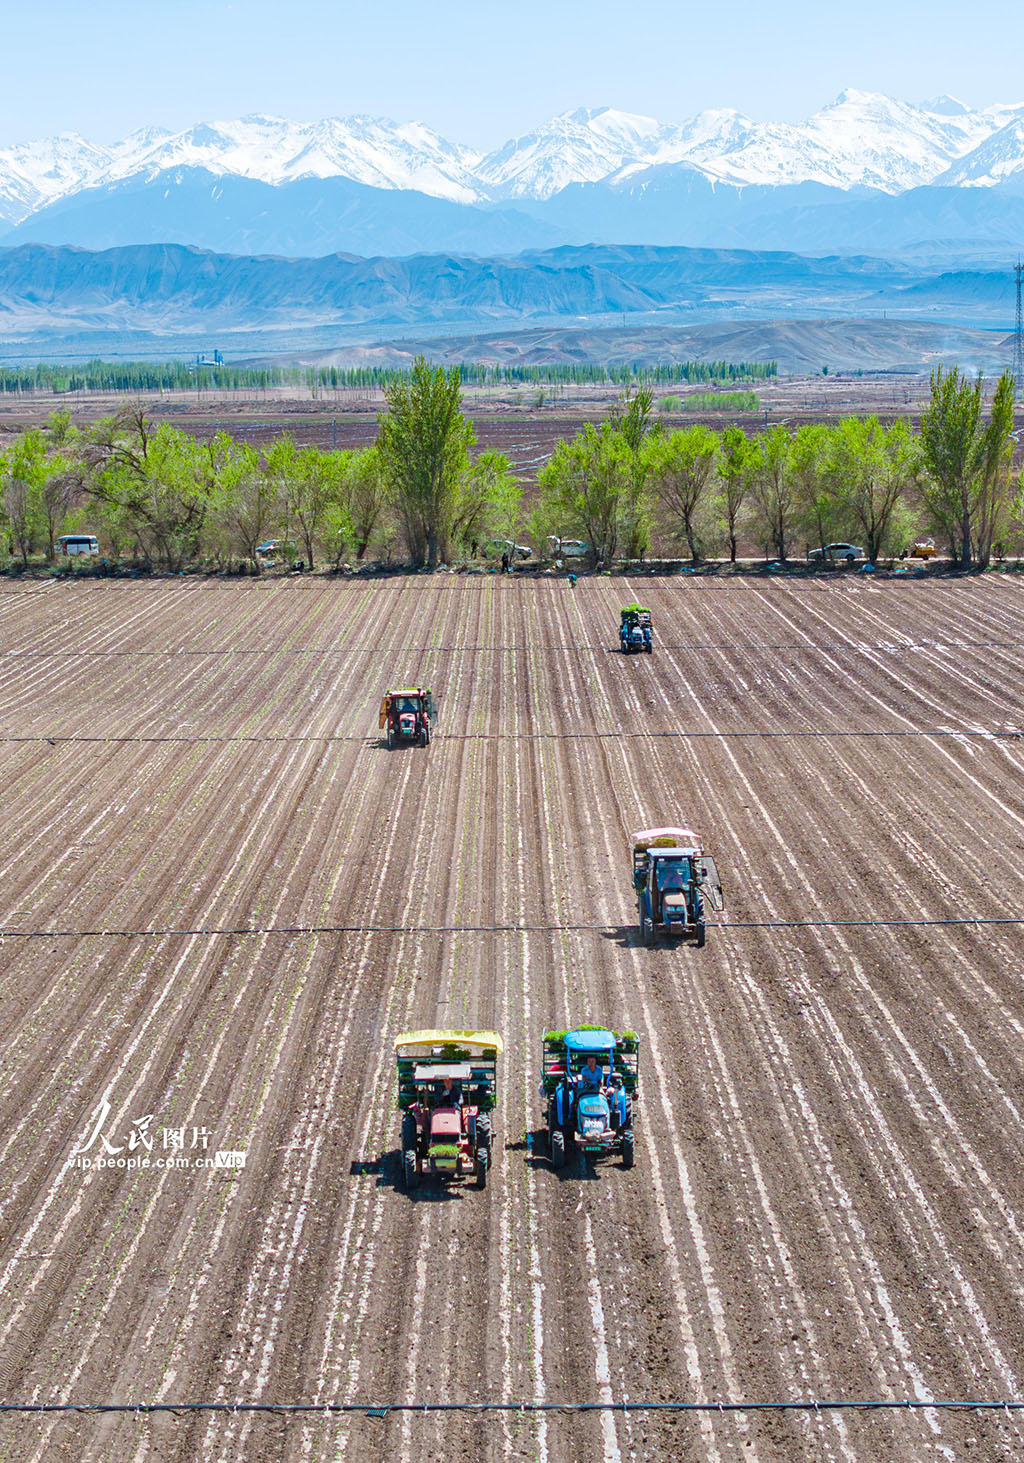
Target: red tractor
<point>447,1090</point>
<point>408,716</point>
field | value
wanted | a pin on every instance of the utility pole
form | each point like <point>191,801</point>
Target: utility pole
<point>1018,335</point>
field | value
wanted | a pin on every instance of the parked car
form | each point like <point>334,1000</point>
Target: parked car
<point>495,547</point>
<point>568,548</point>
<point>78,543</point>
<point>924,548</point>
<point>836,554</point>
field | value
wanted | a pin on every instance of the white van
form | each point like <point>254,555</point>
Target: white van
<point>78,543</point>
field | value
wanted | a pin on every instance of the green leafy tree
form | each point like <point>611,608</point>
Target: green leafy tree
<point>871,471</point>
<point>366,505</point>
<point>248,504</point>
<point>423,446</point>
<point>816,511</point>
<point>633,419</point>
<point>738,464</point>
<point>967,461</point>
<point>24,482</point>
<point>489,501</point>
<point>682,471</point>
<point>585,490</point>
<point>773,490</point>
<point>315,482</point>
<point>154,480</point>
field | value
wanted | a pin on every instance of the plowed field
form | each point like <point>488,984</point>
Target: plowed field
<point>222,899</point>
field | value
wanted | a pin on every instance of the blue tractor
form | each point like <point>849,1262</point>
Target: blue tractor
<point>635,629</point>
<point>590,1083</point>
<point>674,879</point>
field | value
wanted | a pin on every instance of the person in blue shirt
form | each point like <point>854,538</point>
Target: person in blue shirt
<point>590,1077</point>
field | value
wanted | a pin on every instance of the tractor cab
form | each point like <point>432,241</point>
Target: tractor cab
<point>673,878</point>
<point>447,1090</point>
<point>590,1105</point>
<point>408,716</point>
<point>635,629</point>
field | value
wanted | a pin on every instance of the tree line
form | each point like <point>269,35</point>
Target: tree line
<point>138,376</point>
<point>627,482</point>
<point>155,494</point>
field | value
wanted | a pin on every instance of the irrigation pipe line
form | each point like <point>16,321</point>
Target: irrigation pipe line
<point>162,932</point>
<point>368,1409</point>
<point>587,736</point>
<point>861,645</point>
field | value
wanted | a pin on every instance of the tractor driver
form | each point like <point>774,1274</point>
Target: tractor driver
<point>590,1077</point>
<point>449,1094</point>
<point>673,874</point>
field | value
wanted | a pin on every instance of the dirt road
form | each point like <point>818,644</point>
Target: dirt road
<point>222,899</point>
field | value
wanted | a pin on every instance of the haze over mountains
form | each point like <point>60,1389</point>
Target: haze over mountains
<point>935,180</point>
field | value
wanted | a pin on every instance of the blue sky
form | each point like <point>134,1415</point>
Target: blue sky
<point>482,73</point>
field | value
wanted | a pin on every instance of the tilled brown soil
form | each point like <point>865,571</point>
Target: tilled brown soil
<point>230,899</point>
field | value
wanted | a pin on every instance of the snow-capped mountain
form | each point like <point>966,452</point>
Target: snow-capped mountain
<point>994,161</point>
<point>578,147</point>
<point>33,174</point>
<point>863,140</point>
<point>367,150</point>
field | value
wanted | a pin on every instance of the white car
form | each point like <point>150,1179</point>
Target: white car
<point>836,554</point>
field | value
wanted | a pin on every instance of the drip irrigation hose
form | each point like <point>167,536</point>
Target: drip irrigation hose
<point>381,1409</point>
<point>162,932</point>
<point>587,736</point>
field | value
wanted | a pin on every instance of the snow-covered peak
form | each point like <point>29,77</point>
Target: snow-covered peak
<point>577,147</point>
<point>861,139</point>
<point>998,158</point>
<point>371,150</point>
<point>32,174</point>
<point>944,106</point>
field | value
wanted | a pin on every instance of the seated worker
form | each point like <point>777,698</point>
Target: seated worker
<point>590,1077</point>
<point>673,874</point>
<point>449,1094</point>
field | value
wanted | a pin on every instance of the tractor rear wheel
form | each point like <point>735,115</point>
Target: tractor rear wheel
<point>410,1172</point>
<point>557,1148</point>
<point>627,1148</point>
<point>408,1132</point>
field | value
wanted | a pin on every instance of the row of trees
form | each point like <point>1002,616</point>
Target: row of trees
<point>160,495</point>
<point>626,482</point>
<point>155,493</point>
<point>136,376</point>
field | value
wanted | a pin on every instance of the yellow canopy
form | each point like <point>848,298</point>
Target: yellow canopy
<point>487,1040</point>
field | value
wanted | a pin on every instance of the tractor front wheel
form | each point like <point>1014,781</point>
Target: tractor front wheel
<point>646,930</point>
<point>391,739</point>
<point>410,1173</point>
<point>627,1148</point>
<point>702,935</point>
<point>557,1148</point>
<point>483,1159</point>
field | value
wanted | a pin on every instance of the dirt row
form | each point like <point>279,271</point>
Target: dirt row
<point>827,1193</point>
